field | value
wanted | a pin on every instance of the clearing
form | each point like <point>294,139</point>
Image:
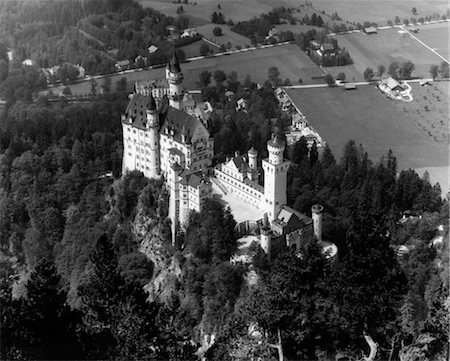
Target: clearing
<point>380,124</point>
<point>385,47</point>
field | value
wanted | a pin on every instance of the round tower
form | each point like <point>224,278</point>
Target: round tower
<point>174,77</point>
<point>266,237</point>
<point>275,146</point>
<point>253,158</point>
<point>316,211</point>
<point>153,132</point>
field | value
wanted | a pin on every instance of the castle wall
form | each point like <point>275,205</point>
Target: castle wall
<point>240,189</point>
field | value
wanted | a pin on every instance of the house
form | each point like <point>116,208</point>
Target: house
<point>274,33</point>
<point>392,84</point>
<point>140,59</point>
<point>152,48</point>
<point>229,95</point>
<point>189,32</point>
<point>327,49</point>
<point>123,65</point>
<point>424,82</point>
<point>370,30</point>
<point>29,62</point>
<point>349,86</point>
<point>314,45</point>
<point>241,105</point>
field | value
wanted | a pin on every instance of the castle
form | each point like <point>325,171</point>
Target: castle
<point>172,141</point>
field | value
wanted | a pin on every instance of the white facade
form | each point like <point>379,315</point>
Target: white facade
<point>169,142</point>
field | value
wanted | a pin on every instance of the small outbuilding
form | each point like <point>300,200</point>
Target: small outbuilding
<point>349,86</point>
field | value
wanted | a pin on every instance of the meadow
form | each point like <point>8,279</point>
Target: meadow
<point>385,47</point>
<point>436,36</point>
<point>290,60</point>
<point>379,11</point>
<point>380,124</point>
<point>227,35</point>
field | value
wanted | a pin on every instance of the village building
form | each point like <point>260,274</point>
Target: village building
<point>123,65</point>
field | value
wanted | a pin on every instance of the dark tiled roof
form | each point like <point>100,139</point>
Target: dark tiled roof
<point>240,163</point>
<point>136,110</point>
<point>276,142</point>
<point>191,179</point>
<point>287,215</point>
<point>253,151</point>
<point>179,123</point>
<point>174,64</point>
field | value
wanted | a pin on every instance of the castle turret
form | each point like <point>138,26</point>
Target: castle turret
<point>152,125</point>
<point>266,237</point>
<point>174,77</point>
<point>275,177</point>
<point>253,163</point>
<point>316,211</point>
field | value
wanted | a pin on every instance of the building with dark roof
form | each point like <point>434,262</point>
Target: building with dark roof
<point>170,139</point>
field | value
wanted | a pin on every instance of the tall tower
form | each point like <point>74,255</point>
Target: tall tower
<point>253,163</point>
<point>174,77</point>
<point>153,131</point>
<point>316,211</point>
<point>275,177</point>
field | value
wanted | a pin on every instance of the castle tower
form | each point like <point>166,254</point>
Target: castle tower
<point>266,237</point>
<point>153,131</point>
<point>253,163</point>
<point>275,177</point>
<point>174,77</point>
<point>316,211</point>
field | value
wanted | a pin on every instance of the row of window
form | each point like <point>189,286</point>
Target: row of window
<point>240,185</point>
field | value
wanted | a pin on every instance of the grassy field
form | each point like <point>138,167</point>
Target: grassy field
<point>379,11</point>
<point>379,124</point>
<point>385,47</point>
<point>192,50</point>
<point>228,35</point>
<point>436,36</point>
<point>290,60</point>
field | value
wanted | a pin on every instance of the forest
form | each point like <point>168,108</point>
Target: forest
<point>91,272</point>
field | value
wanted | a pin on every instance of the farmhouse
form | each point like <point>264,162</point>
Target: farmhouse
<point>123,65</point>
<point>370,30</point>
<point>392,84</point>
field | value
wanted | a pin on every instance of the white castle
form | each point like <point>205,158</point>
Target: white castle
<point>172,141</point>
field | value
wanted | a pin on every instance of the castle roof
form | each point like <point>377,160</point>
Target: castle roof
<point>288,217</point>
<point>174,64</point>
<point>276,141</point>
<point>240,163</point>
<point>253,151</point>
<point>191,179</point>
<point>136,109</point>
<point>178,123</point>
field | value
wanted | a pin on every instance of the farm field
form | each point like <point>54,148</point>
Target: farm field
<point>290,60</point>
<point>228,35</point>
<point>379,124</point>
<point>385,47</point>
<point>436,36</point>
<point>379,11</point>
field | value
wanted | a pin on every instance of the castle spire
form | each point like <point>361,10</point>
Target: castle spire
<point>174,77</point>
